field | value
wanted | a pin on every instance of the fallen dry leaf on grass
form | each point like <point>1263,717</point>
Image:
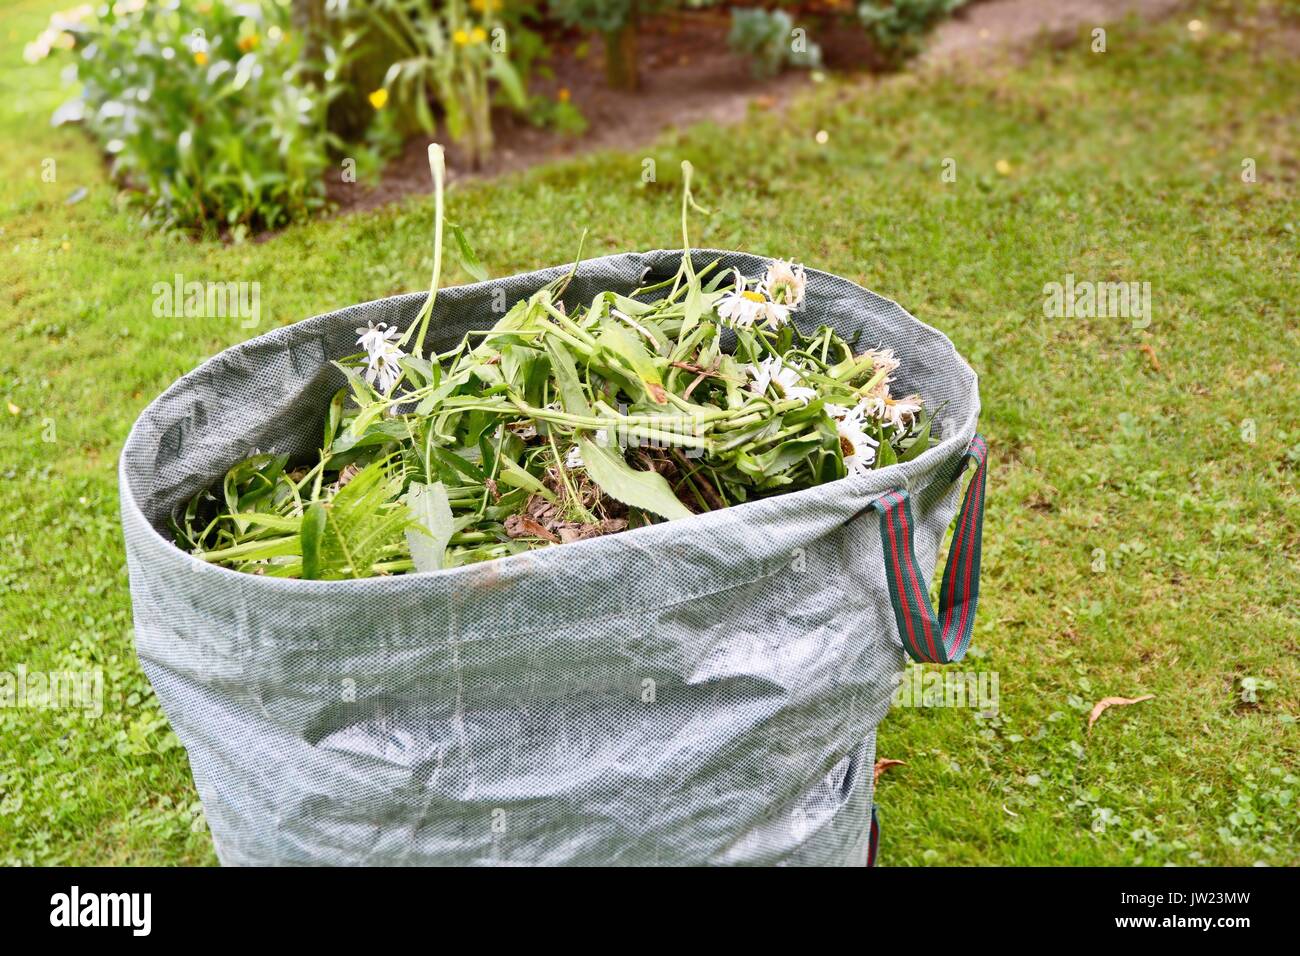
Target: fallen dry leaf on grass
<point>1107,702</point>
<point>883,765</point>
<point>1150,353</point>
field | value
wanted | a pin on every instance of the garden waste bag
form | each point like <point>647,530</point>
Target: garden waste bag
<point>701,691</point>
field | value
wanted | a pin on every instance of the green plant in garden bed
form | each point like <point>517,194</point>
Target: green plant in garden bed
<point>513,439</point>
<point>448,53</point>
<point>768,38</point>
<point>207,109</point>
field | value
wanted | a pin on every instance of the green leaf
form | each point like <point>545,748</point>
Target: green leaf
<point>313,529</point>
<point>776,460</point>
<point>335,416</point>
<point>920,443</point>
<point>503,71</point>
<point>572,397</point>
<point>361,523</point>
<point>632,354</point>
<point>468,260</point>
<point>647,490</point>
<point>455,463</point>
<point>694,303</point>
<point>885,455</point>
<point>442,392</point>
<point>518,477</point>
<point>433,525</point>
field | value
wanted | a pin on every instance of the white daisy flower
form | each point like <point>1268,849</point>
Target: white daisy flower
<point>784,379</point>
<point>897,413</point>
<point>775,315</point>
<point>784,283</point>
<point>383,368</point>
<point>377,338</point>
<point>886,360</point>
<point>858,448</point>
<point>741,307</point>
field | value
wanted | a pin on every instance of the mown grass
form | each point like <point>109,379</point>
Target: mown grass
<point>1142,533</point>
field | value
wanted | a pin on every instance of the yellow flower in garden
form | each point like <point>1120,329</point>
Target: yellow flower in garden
<point>249,41</point>
<point>563,94</point>
<point>1003,167</point>
<point>478,35</point>
<point>379,98</point>
<point>460,38</point>
<point>486,6</point>
<point>201,58</point>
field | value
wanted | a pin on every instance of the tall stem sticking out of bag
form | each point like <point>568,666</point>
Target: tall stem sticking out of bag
<point>694,294</point>
<point>438,168</point>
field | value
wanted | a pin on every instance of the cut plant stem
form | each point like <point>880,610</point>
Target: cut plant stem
<point>438,167</point>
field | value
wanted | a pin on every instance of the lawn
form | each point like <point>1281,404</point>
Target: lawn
<point>1143,527</point>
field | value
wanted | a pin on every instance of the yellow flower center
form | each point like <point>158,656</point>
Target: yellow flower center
<point>378,98</point>
<point>752,296</point>
<point>460,38</point>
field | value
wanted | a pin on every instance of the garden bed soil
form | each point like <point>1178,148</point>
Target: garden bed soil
<point>688,75</point>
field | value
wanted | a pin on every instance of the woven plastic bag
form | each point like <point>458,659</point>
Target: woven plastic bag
<point>702,691</point>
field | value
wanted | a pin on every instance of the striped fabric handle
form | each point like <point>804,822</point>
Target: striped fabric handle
<point>930,639</point>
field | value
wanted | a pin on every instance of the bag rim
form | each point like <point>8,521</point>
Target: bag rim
<point>920,472</point>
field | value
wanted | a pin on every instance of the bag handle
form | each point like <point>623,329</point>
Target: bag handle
<point>927,638</point>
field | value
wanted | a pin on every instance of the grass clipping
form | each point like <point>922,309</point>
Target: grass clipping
<point>557,425</point>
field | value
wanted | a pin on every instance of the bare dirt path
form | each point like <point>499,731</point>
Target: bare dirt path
<point>690,76</point>
<point>997,25</point>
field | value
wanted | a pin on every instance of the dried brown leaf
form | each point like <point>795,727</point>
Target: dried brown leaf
<point>883,765</point>
<point>1150,353</point>
<point>525,526</point>
<point>1108,702</point>
<point>347,474</point>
